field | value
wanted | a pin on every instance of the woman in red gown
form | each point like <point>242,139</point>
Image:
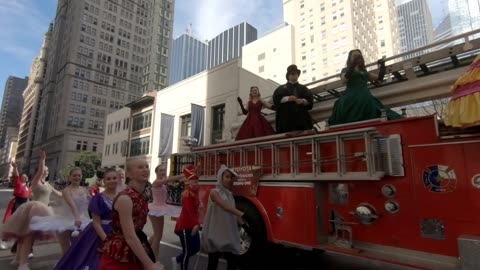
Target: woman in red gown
<point>255,125</point>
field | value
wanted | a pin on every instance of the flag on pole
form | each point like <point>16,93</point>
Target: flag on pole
<point>198,123</point>
<point>167,122</point>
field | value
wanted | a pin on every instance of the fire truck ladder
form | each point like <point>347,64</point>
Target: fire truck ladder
<point>304,158</point>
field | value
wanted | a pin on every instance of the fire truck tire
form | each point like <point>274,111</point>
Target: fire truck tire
<point>253,236</point>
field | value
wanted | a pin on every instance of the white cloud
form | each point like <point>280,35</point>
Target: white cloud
<point>211,17</point>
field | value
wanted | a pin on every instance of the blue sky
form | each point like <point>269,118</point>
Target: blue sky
<point>25,22</point>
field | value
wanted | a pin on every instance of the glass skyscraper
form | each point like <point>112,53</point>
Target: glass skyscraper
<point>228,45</point>
<point>189,57</point>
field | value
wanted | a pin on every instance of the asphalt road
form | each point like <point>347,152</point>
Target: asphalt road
<point>276,257</point>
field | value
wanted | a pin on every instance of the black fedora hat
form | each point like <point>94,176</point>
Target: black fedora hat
<point>293,69</point>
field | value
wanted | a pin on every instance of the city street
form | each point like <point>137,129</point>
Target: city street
<point>48,253</point>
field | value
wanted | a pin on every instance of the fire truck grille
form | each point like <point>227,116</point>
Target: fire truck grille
<point>389,155</point>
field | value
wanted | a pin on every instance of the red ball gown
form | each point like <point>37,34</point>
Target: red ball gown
<point>255,125</point>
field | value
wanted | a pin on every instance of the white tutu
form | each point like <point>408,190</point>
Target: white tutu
<point>163,210</point>
<point>56,223</point>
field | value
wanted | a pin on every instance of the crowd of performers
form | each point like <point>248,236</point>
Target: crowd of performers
<point>101,227</point>
<point>293,101</point>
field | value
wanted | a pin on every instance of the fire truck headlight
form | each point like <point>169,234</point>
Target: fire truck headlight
<point>365,213</point>
<point>476,181</point>
<point>389,191</point>
<point>279,212</point>
<point>392,206</point>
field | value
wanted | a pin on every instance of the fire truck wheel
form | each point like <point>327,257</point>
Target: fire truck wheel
<point>253,234</point>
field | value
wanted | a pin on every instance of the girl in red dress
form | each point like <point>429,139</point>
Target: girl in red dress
<point>21,193</point>
<point>255,125</point>
<point>127,247</point>
<point>188,223</point>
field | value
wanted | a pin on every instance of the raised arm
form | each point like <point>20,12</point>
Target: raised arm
<point>15,169</point>
<point>218,200</point>
<point>376,78</point>
<point>124,206</point>
<point>242,106</point>
<point>167,180</point>
<point>40,170</point>
<point>345,74</point>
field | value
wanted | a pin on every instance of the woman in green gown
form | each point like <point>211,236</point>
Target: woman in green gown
<point>357,103</point>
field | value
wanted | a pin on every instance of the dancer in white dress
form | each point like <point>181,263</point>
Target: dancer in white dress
<point>71,215</point>
<point>18,226</point>
<point>121,180</point>
<point>159,208</point>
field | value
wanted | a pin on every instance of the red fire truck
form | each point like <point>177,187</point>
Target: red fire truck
<point>405,192</point>
<point>393,191</point>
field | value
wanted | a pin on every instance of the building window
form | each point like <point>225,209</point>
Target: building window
<point>186,126</point>
<point>261,56</point>
<point>142,120</point>
<point>218,113</point>
<point>124,148</point>
<point>84,146</point>
<point>107,150</point>
<point>94,147</point>
<point>140,147</point>
<point>79,145</point>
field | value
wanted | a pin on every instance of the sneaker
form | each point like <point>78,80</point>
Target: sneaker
<point>174,263</point>
<point>30,255</point>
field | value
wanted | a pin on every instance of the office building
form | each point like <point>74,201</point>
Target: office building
<point>102,55</point>
<point>228,44</point>
<point>415,25</point>
<point>12,105</point>
<point>31,105</point>
<point>189,57</point>
<point>386,28</point>
<point>464,15</point>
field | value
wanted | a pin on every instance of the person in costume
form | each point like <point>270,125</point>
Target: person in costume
<point>127,247</point>
<point>84,252</point>
<point>188,223</point>
<point>21,194</point>
<point>159,208</point>
<point>72,213</point>
<point>97,187</point>
<point>255,125</point>
<point>463,110</point>
<point>121,180</point>
<point>18,225</point>
<point>221,235</point>
<point>292,102</point>
<point>357,103</point>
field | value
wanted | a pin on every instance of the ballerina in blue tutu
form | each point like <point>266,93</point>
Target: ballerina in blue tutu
<point>83,254</point>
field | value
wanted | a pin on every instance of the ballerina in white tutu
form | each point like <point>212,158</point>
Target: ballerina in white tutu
<point>18,226</point>
<point>159,208</point>
<point>71,215</point>
<point>121,180</point>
